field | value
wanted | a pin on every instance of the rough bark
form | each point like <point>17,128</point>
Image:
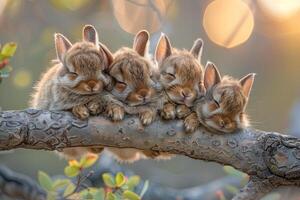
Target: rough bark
<point>264,156</point>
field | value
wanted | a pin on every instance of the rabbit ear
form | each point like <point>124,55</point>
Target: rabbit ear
<point>211,75</point>
<point>90,34</point>
<point>141,42</point>
<point>197,48</point>
<point>62,45</point>
<point>163,48</point>
<point>108,54</point>
<point>246,83</point>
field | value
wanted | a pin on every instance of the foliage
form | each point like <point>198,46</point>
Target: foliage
<point>6,52</point>
<point>116,187</point>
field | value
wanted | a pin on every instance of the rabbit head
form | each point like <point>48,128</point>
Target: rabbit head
<point>181,73</point>
<point>83,63</point>
<point>223,108</point>
<point>132,72</point>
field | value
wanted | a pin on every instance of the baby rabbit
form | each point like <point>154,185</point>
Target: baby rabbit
<point>222,110</point>
<point>181,76</point>
<point>134,90</point>
<point>76,80</point>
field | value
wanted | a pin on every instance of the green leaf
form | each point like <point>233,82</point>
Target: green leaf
<point>9,49</point>
<point>120,179</point>
<point>51,196</point>
<point>69,190</point>
<point>231,171</point>
<point>232,189</point>
<point>72,171</point>
<point>6,69</point>
<point>111,196</point>
<point>88,160</point>
<point>85,194</point>
<point>45,181</point>
<point>132,182</point>
<point>59,183</point>
<point>4,72</point>
<point>127,194</point>
<point>108,180</point>
<point>100,194</point>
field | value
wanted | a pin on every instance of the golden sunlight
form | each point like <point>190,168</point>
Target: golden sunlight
<point>133,15</point>
<point>228,23</point>
<point>280,9</point>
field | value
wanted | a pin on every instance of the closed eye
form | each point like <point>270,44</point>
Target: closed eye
<point>217,103</point>
<point>169,76</point>
<point>120,86</point>
<point>120,82</point>
<point>72,75</point>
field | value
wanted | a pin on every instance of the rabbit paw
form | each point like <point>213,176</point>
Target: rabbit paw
<point>115,112</point>
<point>147,117</point>
<point>94,108</point>
<point>191,123</point>
<point>182,111</point>
<point>80,111</point>
<point>151,154</point>
<point>96,150</point>
<point>168,111</point>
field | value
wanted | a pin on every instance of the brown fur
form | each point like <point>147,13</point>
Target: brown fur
<point>133,90</point>
<point>188,74</point>
<point>77,81</point>
<point>181,76</point>
<point>132,73</point>
<point>223,108</point>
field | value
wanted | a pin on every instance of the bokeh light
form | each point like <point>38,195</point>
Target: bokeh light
<point>70,4</point>
<point>280,9</point>
<point>228,23</point>
<point>133,15</point>
<point>279,18</point>
<point>22,79</point>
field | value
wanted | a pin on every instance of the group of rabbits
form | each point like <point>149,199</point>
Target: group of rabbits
<point>89,80</point>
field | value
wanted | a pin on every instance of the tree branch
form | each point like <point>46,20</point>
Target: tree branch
<point>19,186</point>
<point>265,155</point>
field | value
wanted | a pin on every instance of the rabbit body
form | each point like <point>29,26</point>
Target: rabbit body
<point>222,110</point>
<point>181,76</point>
<point>76,81</point>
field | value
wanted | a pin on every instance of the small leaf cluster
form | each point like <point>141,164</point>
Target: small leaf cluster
<point>118,187</point>
<point>6,52</point>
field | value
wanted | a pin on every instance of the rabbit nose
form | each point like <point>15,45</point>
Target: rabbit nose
<point>143,94</point>
<point>222,124</point>
<point>185,93</point>
<point>92,84</point>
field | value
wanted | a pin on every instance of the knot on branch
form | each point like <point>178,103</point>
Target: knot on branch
<point>16,128</point>
<point>282,156</point>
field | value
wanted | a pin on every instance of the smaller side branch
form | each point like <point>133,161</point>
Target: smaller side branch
<point>19,186</point>
<point>255,189</point>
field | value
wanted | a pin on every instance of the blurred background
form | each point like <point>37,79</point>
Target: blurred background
<point>260,36</point>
